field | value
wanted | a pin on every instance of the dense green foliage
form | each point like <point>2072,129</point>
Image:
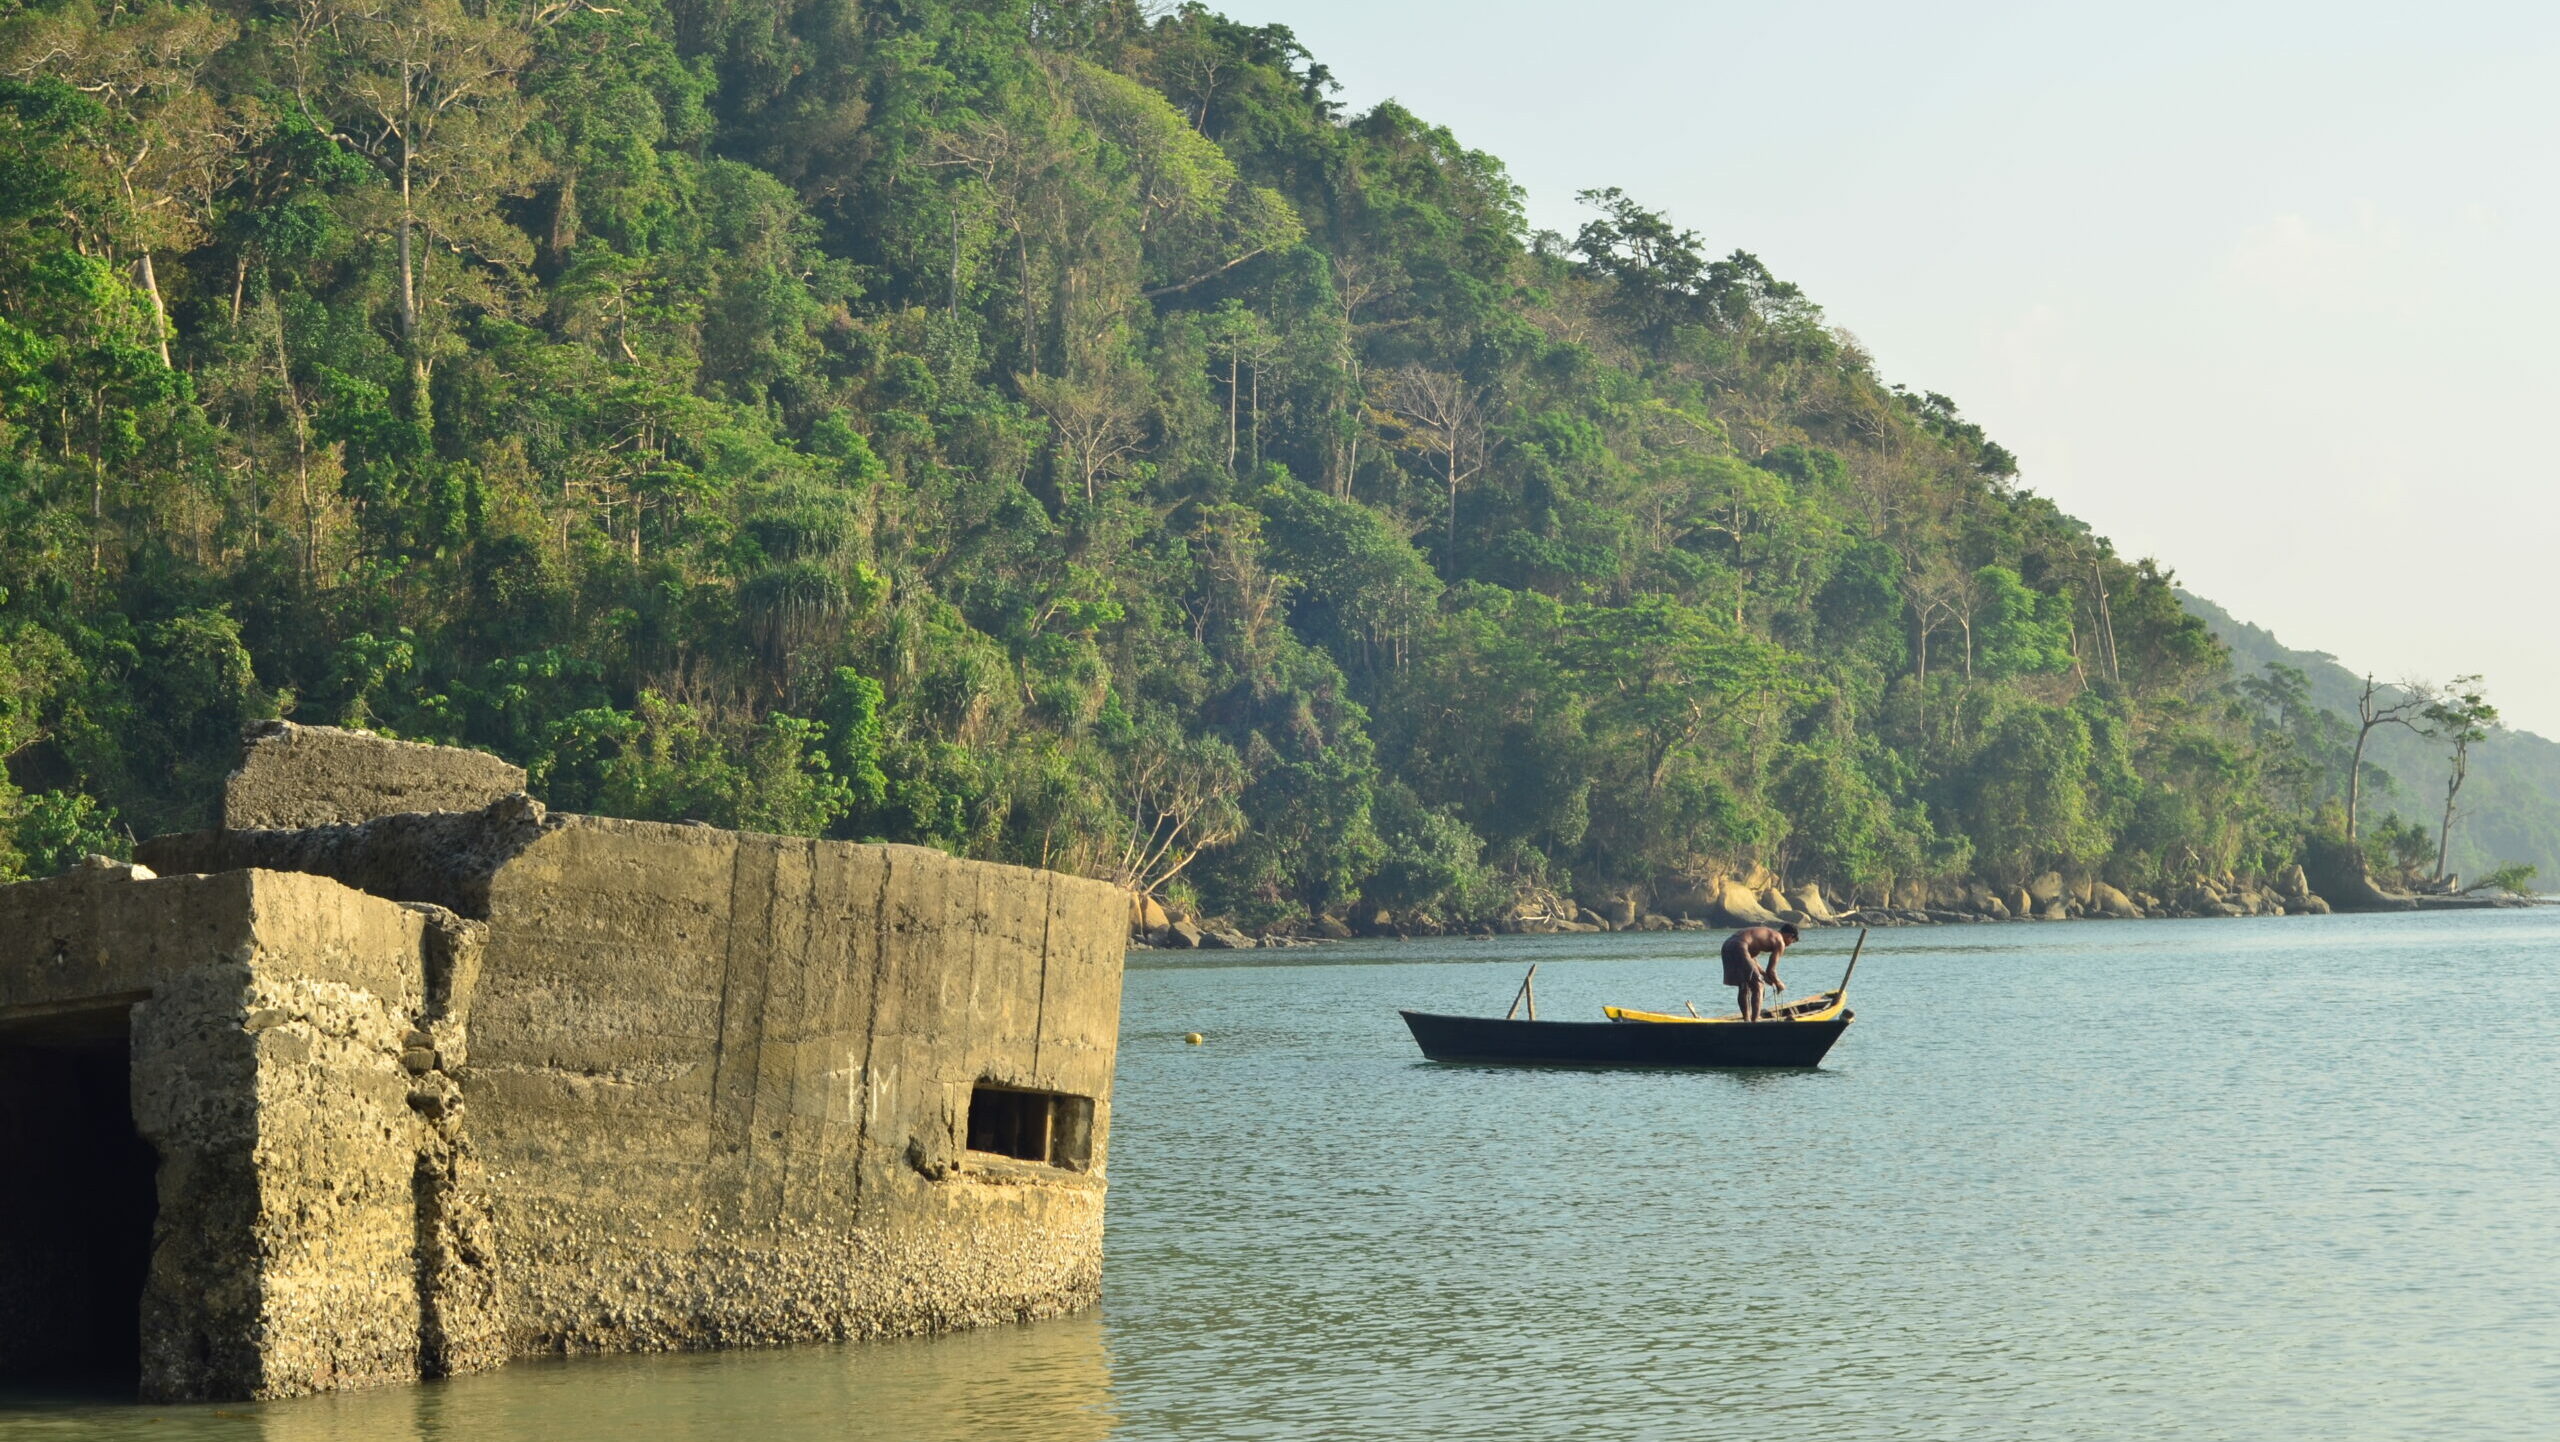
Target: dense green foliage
<point>1029,429</point>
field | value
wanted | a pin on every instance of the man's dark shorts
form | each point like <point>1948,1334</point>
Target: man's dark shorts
<point>1738,970</point>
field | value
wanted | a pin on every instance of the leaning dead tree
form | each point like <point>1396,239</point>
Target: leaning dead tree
<point>2376,709</point>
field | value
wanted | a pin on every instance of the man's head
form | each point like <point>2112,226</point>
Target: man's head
<point>1788,930</point>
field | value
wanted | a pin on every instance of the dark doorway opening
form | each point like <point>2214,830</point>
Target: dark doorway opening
<point>79,1192</point>
<point>1050,1127</point>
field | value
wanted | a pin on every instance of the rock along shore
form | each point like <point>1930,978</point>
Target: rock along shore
<point>1731,903</point>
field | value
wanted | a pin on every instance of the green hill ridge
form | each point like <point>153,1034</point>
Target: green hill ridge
<point>2510,803</point>
<point>1054,432</point>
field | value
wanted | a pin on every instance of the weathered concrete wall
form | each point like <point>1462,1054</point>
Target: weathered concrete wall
<point>445,859</point>
<point>724,1077</point>
<point>77,952</point>
<point>278,1070</point>
<point>96,938</point>
<point>562,1083</point>
<point>293,776</point>
<point>719,1080</point>
<point>267,1071</point>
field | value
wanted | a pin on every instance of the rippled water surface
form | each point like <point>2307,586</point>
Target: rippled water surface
<point>2247,1179</point>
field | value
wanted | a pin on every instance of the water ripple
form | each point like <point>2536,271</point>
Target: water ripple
<point>2248,1179</point>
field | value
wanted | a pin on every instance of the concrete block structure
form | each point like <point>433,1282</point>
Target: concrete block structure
<point>351,1096</point>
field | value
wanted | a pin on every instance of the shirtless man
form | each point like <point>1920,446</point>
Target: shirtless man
<point>1769,941</point>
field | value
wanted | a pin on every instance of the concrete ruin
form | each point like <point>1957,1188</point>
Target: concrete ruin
<point>398,1075</point>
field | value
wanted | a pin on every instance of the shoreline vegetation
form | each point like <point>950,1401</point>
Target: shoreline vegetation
<point>2047,898</point>
<point>1059,432</point>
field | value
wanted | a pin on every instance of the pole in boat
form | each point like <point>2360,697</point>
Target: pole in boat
<point>1525,993</point>
<point>1843,993</point>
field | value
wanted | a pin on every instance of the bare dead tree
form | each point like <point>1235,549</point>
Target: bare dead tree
<point>2375,710</point>
<point>1356,282</point>
<point>1245,593</point>
<point>1441,415</point>
<point>1095,422</point>
<point>2106,620</point>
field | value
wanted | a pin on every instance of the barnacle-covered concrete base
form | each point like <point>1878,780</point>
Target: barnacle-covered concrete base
<point>342,1099</point>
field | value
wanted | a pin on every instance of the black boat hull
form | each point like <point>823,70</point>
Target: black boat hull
<point>1494,1041</point>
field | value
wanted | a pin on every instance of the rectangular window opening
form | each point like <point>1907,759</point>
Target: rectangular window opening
<point>1052,1128</point>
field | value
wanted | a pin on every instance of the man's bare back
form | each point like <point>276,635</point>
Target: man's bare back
<point>1745,978</point>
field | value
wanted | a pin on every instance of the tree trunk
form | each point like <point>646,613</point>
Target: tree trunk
<point>1741,569</point>
<point>409,293</point>
<point>2444,833</point>
<point>2106,624</point>
<point>159,311</point>
<point>564,219</point>
<point>1351,459</point>
<point>97,517</point>
<point>1030,319</point>
<point>2452,788</point>
<point>2355,780</point>
<point>301,450</point>
<point>1452,561</point>
<point>408,275</point>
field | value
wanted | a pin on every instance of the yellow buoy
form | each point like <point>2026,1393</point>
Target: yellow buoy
<point>1193,1038</point>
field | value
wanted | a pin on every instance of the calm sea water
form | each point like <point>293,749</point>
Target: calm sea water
<point>2217,1179</point>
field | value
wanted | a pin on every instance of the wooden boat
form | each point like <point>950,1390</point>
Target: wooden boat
<point>1631,1039</point>
<point>1796,1035</point>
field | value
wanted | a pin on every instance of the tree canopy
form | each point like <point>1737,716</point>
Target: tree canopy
<point>1050,430</point>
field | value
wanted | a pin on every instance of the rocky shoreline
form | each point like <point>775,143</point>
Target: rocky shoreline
<point>1726,904</point>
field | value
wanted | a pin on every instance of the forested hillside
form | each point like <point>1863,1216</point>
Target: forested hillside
<point>1029,429</point>
<point>2510,801</point>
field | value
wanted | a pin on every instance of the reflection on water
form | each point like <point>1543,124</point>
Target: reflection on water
<point>2251,1179</point>
<point>1045,1381</point>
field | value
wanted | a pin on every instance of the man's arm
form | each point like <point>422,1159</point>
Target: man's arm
<point>1771,970</point>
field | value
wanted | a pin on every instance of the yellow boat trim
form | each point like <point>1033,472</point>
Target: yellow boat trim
<point>1826,1007</point>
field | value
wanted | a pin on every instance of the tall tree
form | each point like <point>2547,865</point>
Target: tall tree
<point>2460,716</point>
<point>163,140</point>
<point>1095,421</point>
<point>430,95</point>
<point>2404,705</point>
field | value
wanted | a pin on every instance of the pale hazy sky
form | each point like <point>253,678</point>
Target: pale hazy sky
<point>2268,291</point>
